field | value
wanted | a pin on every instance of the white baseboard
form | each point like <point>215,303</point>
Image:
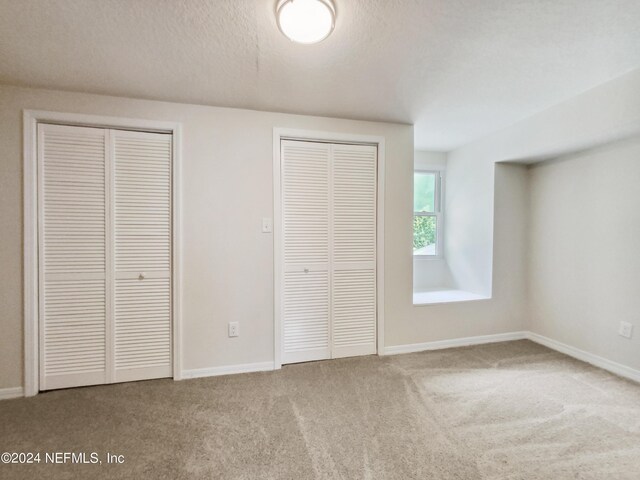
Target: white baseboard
<point>455,342</point>
<point>600,362</point>
<point>227,370</point>
<point>7,393</point>
<point>609,365</point>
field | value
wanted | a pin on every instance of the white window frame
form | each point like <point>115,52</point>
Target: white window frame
<point>438,214</point>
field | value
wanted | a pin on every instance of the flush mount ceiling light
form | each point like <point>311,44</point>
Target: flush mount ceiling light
<point>306,21</point>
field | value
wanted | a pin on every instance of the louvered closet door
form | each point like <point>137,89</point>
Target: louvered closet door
<point>329,250</point>
<point>353,272</point>
<point>142,226</point>
<point>305,220</point>
<point>72,256</point>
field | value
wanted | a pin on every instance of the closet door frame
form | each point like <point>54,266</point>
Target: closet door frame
<point>31,119</point>
<point>280,134</point>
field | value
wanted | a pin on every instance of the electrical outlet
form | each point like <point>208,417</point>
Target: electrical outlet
<point>625,329</point>
<point>234,329</point>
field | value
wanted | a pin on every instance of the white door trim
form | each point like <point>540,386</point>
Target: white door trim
<point>31,118</point>
<point>330,137</point>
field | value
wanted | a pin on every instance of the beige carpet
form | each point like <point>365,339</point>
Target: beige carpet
<point>503,411</point>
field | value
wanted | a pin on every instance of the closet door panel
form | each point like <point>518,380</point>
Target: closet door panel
<point>72,256</point>
<point>306,314</point>
<point>354,199</point>
<point>305,251</point>
<point>354,250</point>
<point>142,328</point>
<point>142,201</point>
<point>354,312</point>
<point>142,260</point>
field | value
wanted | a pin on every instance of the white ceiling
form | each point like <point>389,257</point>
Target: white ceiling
<point>457,69</point>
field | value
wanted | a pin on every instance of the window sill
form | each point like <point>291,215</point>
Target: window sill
<point>445,296</point>
<point>428,257</point>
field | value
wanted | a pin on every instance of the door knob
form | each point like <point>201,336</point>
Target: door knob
<point>142,276</point>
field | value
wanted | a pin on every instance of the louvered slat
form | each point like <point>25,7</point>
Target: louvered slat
<point>104,218</point>
<point>306,316</point>
<point>142,204</point>
<point>74,336</point>
<point>354,312</point>
<point>72,216</point>
<point>305,195</point>
<point>354,198</point>
<point>354,250</point>
<point>142,201</point>
<point>329,250</point>
<point>305,215</point>
<point>143,323</point>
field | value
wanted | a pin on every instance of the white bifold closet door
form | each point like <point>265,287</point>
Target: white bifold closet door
<point>328,287</point>
<point>72,256</point>
<point>142,246</point>
<point>104,210</point>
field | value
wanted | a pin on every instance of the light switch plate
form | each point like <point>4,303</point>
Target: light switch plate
<point>267,225</point>
<point>234,329</point>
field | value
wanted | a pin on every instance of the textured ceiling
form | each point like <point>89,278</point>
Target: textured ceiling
<point>457,69</point>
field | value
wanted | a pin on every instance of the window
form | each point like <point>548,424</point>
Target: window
<point>427,213</point>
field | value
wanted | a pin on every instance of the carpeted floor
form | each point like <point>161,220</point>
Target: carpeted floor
<point>503,411</point>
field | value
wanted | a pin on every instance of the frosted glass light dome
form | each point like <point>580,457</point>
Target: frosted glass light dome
<point>306,21</point>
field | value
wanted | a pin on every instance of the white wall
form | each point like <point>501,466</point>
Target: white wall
<point>504,312</point>
<point>608,112</point>
<point>584,250</point>
<point>431,274</point>
<point>469,232</point>
<point>228,262</point>
<point>423,159</point>
<point>227,174</point>
<point>227,189</point>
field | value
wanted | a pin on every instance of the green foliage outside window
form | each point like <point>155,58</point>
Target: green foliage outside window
<point>424,201</point>
<point>424,231</point>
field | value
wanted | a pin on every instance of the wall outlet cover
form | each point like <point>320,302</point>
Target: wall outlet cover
<point>267,225</point>
<point>625,330</point>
